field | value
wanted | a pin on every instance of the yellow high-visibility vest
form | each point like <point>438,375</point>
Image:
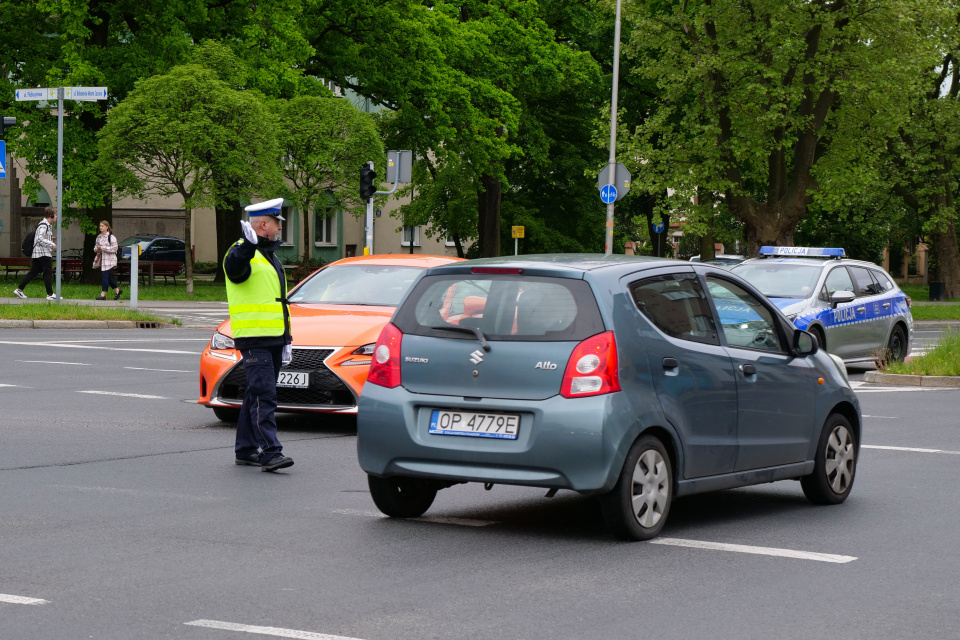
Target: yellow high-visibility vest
<point>254,307</point>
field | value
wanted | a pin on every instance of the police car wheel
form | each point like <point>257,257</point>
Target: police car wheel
<point>897,347</point>
<point>401,497</point>
<point>835,465</point>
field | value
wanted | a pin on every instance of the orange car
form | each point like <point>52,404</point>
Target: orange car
<point>336,315</point>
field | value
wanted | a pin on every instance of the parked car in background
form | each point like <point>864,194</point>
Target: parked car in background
<point>154,247</point>
<point>635,379</point>
<point>723,260</point>
<point>852,307</point>
<point>336,315</point>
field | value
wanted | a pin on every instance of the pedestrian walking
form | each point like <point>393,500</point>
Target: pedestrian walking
<point>260,322</point>
<point>107,248</point>
<point>41,259</point>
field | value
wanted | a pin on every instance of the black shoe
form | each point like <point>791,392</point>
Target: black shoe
<point>252,460</point>
<point>101,298</point>
<point>117,297</point>
<point>276,463</point>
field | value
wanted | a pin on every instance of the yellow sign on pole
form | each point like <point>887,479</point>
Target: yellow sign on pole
<point>517,232</point>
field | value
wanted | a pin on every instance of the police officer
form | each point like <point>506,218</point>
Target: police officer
<point>260,321</point>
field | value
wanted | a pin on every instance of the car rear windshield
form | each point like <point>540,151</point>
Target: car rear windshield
<point>503,307</point>
<point>366,284</point>
<point>781,279</point>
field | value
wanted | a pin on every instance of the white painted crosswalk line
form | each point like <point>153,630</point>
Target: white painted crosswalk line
<point>763,551</point>
<point>463,522</point>
<point>124,395</point>
<point>5,597</point>
<point>266,631</point>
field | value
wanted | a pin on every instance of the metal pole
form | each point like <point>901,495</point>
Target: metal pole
<point>368,249</point>
<point>612,163</point>
<point>59,188</point>
<point>134,275</point>
<point>515,242</point>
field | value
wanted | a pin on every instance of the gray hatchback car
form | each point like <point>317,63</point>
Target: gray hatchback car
<point>635,379</point>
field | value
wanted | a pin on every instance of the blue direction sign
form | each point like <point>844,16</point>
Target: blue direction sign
<point>608,194</point>
<point>3,159</point>
<point>658,228</point>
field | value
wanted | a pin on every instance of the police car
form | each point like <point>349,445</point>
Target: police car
<point>853,308</point>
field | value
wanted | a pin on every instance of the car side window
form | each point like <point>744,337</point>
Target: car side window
<point>745,321</point>
<point>838,280</point>
<point>677,305</point>
<point>883,281</point>
<point>863,283</point>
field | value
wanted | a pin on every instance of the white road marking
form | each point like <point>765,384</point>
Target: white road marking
<point>10,385</point>
<point>21,599</point>
<point>463,522</point>
<point>163,370</point>
<point>125,395</point>
<point>883,417</point>
<point>763,551</point>
<point>903,389</point>
<point>79,364</point>
<point>147,340</point>
<point>913,449</point>
<point>85,346</point>
<point>134,492</point>
<point>267,631</point>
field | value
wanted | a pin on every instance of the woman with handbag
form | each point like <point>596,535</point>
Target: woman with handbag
<point>107,250</point>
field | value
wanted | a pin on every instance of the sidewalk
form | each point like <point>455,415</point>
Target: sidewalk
<point>191,314</point>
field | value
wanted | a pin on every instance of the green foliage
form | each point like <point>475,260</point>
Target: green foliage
<point>942,360</point>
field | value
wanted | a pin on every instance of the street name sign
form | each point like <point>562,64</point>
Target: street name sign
<point>608,194</point>
<point>34,94</point>
<point>85,93</point>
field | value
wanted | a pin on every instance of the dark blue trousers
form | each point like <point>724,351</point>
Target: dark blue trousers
<point>257,426</point>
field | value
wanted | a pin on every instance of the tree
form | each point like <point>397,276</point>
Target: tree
<point>175,132</point>
<point>772,104</point>
<point>323,142</point>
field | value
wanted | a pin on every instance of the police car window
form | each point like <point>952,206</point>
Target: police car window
<point>863,283</point>
<point>780,279</point>
<point>883,281</point>
<point>744,320</point>
<point>677,305</point>
<point>838,280</point>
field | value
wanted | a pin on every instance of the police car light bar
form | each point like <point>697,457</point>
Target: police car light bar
<point>802,252</point>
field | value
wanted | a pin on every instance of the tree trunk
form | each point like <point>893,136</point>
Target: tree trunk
<point>948,259</point>
<point>305,249</point>
<point>228,232</point>
<point>489,214</point>
<point>767,231</point>
<point>188,254</point>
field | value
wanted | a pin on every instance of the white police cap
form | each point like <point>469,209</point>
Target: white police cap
<point>268,208</point>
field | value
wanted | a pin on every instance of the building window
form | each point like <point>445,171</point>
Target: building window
<point>449,241</point>
<point>325,227</point>
<point>287,213</point>
<point>407,232</point>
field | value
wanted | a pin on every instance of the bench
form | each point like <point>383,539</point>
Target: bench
<point>147,270</point>
<point>72,267</point>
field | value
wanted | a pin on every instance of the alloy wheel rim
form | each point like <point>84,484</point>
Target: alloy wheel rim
<point>651,488</point>
<point>840,459</point>
<point>896,345</point>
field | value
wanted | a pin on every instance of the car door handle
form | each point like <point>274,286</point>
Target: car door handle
<point>748,369</point>
<point>861,309</point>
<point>670,363</point>
<point>886,305</point>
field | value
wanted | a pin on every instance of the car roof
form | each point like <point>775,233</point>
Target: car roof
<point>572,262</point>
<point>399,259</point>
<point>819,262</point>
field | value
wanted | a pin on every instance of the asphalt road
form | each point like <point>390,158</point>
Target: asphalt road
<point>124,514</point>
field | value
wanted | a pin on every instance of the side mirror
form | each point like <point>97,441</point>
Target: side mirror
<point>839,297</point>
<point>804,344</point>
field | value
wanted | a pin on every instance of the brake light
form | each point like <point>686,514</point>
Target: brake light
<point>909,302</point>
<point>592,368</point>
<point>385,367</point>
<point>502,270</point>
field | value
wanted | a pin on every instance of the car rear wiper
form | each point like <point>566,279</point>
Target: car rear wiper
<point>474,330</point>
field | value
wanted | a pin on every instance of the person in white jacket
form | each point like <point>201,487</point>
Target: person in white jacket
<point>44,244</point>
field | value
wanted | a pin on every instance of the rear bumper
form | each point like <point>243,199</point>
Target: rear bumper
<point>560,444</point>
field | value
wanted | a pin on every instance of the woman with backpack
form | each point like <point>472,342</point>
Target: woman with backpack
<point>41,254</point>
<point>106,248</point>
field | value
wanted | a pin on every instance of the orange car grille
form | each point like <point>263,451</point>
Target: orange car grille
<point>326,389</point>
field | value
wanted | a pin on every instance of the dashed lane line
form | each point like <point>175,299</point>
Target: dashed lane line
<point>161,370</point>
<point>911,449</point>
<point>5,597</point>
<point>124,395</point>
<point>266,631</point>
<point>763,551</point>
<point>463,522</point>
<point>87,346</point>
<point>77,364</point>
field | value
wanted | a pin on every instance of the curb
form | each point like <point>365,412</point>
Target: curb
<point>896,379</point>
<point>84,324</point>
<point>936,324</point>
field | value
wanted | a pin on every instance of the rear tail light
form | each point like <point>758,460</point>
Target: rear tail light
<point>385,367</point>
<point>592,368</point>
<point>909,302</point>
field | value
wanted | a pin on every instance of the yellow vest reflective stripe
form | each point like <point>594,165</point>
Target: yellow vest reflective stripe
<point>254,310</point>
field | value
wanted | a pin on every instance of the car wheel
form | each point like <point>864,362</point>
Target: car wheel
<point>819,337</point>
<point>400,497</point>
<point>835,466</point>
<point>897,347</point>
<point>227,414</point>
<point>638,506</point>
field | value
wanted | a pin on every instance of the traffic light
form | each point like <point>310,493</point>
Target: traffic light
<point>367,177</point>
<point>4,123</point>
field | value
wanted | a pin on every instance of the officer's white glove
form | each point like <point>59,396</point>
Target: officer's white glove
<point>287,356</point>
<point>248,232</point>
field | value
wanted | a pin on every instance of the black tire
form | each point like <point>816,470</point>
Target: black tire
<point>401,497</point>
<point>819,337</point>
<point>226,414</point>
<point>897,346</point>
<point>835,465</point>
<point>647,471</point>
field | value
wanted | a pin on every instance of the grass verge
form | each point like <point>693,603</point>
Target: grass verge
<point>52,311</point>
<point>942,360</point>
<point>203,290</point>
<point>921,292</point>
<point>936,312</point>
